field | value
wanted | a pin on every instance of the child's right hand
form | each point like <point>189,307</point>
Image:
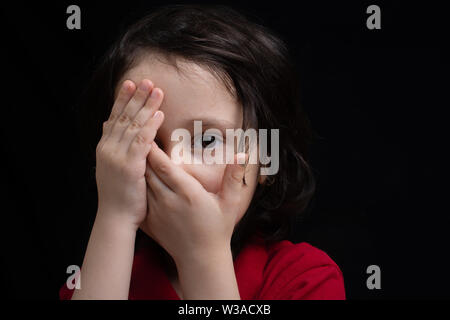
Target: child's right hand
<point>122,151</point>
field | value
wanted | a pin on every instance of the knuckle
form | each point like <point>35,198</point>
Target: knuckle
<point>163,169</point>
<point>135,124</point>
<point>106,125</point>
<point>140,139</point>
<point>124,118</point>
<point>113,116</point>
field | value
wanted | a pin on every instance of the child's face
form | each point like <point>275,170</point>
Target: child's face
<point>194,94</point>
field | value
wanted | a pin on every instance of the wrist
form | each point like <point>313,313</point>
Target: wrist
<point>115,223</point>
<point>208,260</point>
<point>204,257</point>
<point>115,220</point>
<point>208,276</point>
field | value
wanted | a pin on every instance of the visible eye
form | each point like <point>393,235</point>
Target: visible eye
<point>206,140</point>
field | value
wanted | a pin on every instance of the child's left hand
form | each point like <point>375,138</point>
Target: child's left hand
<point>185,219</point>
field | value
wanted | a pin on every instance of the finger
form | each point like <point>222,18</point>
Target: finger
<point>172,175</point>
<point>233,179</point>
<point>133,106</point>
<point>150,192</point>
<point>151,195</point>
<point>141,144</point>
<point>157,186</point>
<point>142,117</point>
<point>125,93</point>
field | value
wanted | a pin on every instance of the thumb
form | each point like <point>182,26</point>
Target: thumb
<point>152,146</point>
<point>233,178</point>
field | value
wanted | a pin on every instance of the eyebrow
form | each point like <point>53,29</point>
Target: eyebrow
<point>210,122</point>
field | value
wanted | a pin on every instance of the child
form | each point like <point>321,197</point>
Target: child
<point>199,231</point>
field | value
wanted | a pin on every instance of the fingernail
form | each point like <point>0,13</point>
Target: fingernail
<point>154,94</point>
<point>145,86</point>
<point>126,84</point>
<point>157,114</point>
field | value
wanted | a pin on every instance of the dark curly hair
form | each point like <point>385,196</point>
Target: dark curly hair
<point>256,68</point>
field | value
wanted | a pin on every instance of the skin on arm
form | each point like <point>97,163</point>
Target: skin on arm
<point>211,277</point>
<point>120,174</point>
<point>107,264</point>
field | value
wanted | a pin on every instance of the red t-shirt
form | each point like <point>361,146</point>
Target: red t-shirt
<point>282,271</point>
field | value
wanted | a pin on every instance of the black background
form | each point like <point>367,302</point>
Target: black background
<point>376,98</point>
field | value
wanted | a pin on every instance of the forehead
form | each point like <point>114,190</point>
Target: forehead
<point>190,92</point>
